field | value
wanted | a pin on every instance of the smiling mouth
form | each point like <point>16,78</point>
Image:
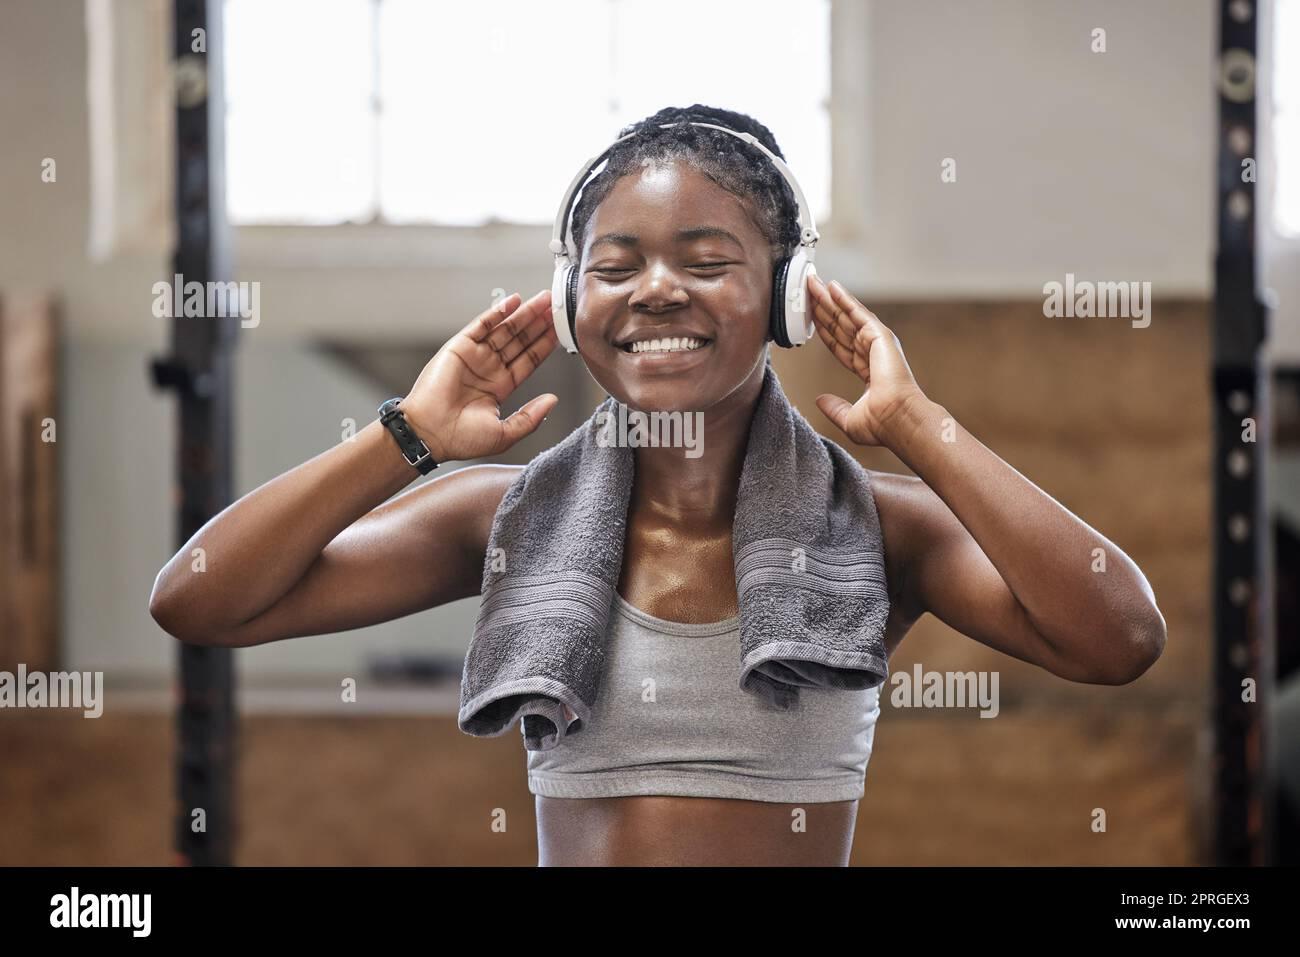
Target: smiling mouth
<point>665,346</point>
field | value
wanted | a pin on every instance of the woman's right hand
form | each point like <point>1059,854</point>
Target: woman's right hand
<point>455,404</point>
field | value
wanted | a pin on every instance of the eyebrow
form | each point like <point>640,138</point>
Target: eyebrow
<point>683,235</point>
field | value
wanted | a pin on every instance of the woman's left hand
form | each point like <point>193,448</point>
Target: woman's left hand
<point>867,348</point>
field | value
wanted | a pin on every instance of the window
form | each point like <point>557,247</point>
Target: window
<point>418,112</point>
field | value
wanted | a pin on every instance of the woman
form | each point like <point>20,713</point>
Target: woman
<point>969,539</point>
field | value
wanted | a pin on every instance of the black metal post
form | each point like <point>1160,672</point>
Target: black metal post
<point>200,369</point>
<point>1242,596</point>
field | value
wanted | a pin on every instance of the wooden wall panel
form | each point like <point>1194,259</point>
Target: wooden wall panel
<point>1111,420</point>
<point>29,485</point>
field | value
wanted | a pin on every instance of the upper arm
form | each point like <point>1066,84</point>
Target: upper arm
<point>422,548</point>
<point>944,571</point>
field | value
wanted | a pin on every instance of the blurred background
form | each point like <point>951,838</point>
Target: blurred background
<point>391,167</point>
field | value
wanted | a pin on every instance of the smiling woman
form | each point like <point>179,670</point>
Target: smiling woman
<point>681,236</point>
<point>735,610</point>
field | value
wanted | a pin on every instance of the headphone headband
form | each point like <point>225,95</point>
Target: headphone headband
<point>562,245</point>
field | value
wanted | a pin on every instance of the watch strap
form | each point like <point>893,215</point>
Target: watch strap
<point>414,450</point>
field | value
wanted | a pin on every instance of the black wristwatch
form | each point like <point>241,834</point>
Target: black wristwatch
<point>415,452</point>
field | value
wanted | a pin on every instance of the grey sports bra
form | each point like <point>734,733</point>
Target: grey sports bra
<point>671,719</point>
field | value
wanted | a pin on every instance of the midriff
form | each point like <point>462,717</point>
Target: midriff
<point>648,831</point>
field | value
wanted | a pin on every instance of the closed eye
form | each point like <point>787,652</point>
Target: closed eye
<point>612,271</point>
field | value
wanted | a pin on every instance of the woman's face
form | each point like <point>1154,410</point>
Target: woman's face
<point>670,254</point>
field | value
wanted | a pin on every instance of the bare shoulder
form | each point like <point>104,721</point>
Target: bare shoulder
<point>451,514</point>
<point>906,499</point>
<point>898,497</point>
<point>475,492</point>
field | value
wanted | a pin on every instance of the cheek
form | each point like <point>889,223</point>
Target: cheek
<point>596,296</point>
<point>745,306</point>
<point>599,305</point>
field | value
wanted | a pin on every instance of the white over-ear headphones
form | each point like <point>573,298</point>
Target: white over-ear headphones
<point>790,324</point>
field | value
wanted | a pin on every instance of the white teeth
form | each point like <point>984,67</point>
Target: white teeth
<point>683,344</point>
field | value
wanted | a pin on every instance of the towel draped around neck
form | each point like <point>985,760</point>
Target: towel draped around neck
<point>809,564</point>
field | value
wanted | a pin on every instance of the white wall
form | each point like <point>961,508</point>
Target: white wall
<point>1096,163</point>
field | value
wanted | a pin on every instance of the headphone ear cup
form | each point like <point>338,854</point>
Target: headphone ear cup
<point>777,330</point>
<point>571,304</point>
<point>563,298</point>
<point>798,326</point>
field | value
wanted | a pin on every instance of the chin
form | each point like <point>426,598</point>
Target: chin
<point>661,395</point>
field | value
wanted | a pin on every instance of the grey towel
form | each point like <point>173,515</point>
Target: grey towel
<point>810,576</point>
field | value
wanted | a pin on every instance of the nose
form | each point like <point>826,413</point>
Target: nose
<point>658,290</point>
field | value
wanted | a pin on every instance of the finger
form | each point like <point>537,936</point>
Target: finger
<point>851,354</point>
<point>837,325</point>
<point>870,329</point>
<point>820,293</point>
<point>526,420</point>
<point>837,319</point>
<point>836,409</point>
<point>482,325</point>
<point>857,312</point>
<point>533,355</point>
<point>852,360</point>
<point>847,319</point>
<point>537,327</point>
<point>841,350</point>
<point>536,309</point>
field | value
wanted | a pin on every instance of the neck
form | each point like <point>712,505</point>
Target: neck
<point>701,490</point>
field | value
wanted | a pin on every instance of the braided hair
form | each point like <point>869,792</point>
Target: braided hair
<point>731,163</point>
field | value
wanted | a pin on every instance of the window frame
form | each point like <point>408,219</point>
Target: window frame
<point>447,248</point>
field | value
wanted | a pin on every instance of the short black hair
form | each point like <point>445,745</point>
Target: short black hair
<point>734,165</point>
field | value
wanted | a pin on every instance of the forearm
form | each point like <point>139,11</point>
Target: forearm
<point>1075,585</point>
<point>251,553</point>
